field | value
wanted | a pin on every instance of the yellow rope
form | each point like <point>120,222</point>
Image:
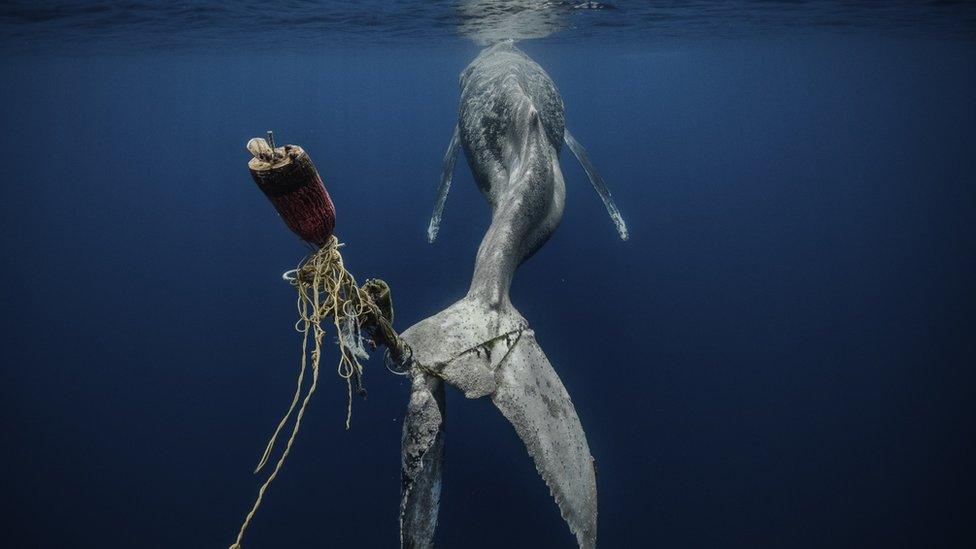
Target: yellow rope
<point>325,288</point>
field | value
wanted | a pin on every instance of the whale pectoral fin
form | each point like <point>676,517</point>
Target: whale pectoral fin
<point>447,172</point>
<point>531,396</point>
<point>597,182</point>
<point>422,450</point>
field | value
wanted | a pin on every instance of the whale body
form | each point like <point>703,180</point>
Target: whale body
<point>511,128</point>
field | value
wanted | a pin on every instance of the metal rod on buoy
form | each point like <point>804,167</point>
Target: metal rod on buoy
<point>271,139</point>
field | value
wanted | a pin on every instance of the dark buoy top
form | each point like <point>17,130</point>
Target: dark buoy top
<point>288,178</point>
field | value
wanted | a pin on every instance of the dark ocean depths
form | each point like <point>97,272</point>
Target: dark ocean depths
<point>781,356</point>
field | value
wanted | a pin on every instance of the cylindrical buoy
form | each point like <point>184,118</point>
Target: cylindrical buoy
<point>288,178</point>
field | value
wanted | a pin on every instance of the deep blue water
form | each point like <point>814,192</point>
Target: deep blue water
<point>781,356</point>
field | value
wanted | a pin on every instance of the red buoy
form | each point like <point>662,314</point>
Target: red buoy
<point>288,178</point>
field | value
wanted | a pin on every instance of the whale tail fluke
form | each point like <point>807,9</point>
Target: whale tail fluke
<point>489,350</point>
<point>421,458</point>
<point>531,396</point>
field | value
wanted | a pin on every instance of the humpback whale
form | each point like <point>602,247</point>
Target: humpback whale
<point>511,127</point>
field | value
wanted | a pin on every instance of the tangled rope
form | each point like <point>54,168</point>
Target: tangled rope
<point>326,288</point>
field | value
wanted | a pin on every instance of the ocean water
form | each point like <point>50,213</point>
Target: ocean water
<point>780,356</point>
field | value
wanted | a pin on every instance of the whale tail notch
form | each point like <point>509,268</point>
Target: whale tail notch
<point>489,350</point>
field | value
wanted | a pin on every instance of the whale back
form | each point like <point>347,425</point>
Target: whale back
<point>499,90</point>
